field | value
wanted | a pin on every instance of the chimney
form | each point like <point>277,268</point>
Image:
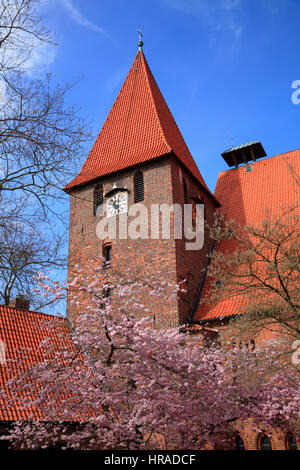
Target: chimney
<point>20,302</point>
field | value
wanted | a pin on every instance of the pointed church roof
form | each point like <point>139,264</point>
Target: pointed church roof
<point>139,128</point>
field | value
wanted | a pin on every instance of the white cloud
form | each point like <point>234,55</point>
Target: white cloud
<point>231,4</point>
<point>218,15</point>
<point>204,5</point>
<point>78,17</point>
<point>42,56</point>
<point>274,7</point>
<point>2,95</point>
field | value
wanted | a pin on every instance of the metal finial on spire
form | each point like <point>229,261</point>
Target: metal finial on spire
<point>140,43</point>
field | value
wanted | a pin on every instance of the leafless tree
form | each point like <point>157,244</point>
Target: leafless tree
<point>23,252</point>
<point>41,139</point>
<point>21,30</point>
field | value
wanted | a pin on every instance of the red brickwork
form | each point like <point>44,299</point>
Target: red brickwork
<point>190,263</point>
<point>164,259</point>
<point>147,257</point>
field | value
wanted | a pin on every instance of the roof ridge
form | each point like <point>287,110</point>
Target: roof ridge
<point>21,310</point>
<point>168,109</point>
<point>148,76</point>
<point>106,121</point>
<point>157,96</point>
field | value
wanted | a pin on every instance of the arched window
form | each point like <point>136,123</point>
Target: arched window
<point>239,443</point>
<point>98,200</point>
<point>291,443</point>
<point>138,187</point>
<point>264,442</point>
<point>107,253</point>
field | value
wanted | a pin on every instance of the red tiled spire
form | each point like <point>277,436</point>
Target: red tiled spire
<point>139,128</point>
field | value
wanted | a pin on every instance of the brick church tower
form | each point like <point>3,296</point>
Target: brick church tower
<point>139,156</point>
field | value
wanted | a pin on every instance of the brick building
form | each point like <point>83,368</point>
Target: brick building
<point>139,137</point>
<point>140,156</point>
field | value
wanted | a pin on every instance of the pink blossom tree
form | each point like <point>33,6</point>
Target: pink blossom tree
<point>116,382</point>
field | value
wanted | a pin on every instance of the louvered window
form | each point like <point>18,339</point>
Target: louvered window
<point>98,200</point>
<point>138,187</point>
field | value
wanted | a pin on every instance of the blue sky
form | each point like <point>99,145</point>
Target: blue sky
<point>225,67</point>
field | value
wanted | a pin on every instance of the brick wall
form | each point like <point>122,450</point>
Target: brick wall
<point>190,263</point>
<point>145,257</point>
<point>167,260</point>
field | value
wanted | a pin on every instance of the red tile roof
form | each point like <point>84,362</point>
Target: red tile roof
<point>245,197</point>
<point>22,332</point>
<point>139,128</point>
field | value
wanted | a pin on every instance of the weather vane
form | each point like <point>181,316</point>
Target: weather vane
<point>140,43</point>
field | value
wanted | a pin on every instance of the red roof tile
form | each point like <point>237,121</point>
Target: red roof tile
<point>139,128</point>
<point>245,197</point>
<point>22,333</point>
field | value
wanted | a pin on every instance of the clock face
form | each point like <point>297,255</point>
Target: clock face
<point>117,204</point>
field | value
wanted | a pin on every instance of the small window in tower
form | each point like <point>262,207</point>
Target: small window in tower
<point>107,254</point>
<point>185,285</point>
<point>197,201</point>
<point>98,200</point>
<point>183,288</point>
<point>185,192</point>
<point>138,187</point>
<point>194,215</point>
